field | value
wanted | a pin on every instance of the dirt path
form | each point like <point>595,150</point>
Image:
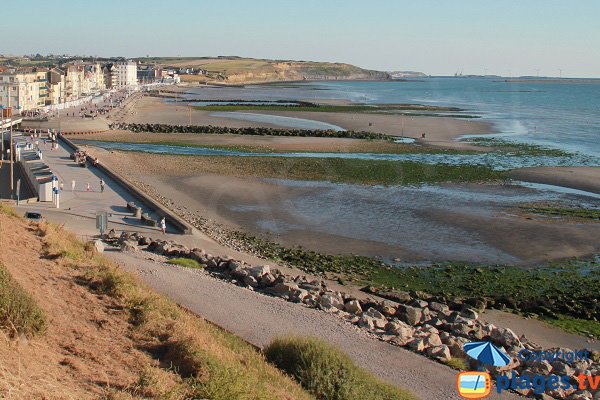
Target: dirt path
<point>258,319</point>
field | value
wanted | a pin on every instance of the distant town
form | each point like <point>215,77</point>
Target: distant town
<point>40,83</point>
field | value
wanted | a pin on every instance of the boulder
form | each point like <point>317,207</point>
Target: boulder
<point>505,337</point>
<point>267,280</point>
<point>129,246</point>
<point>330,300</point>
<point>433,340</point>
<point>439,353</point>
<point>285,289</point>
<point>250,281</point>
<point>240,273</point>
<point>388,310</point>
<point>144,241</point>
<point>409,314</point>
<point>311,300</point>
<point>404,331</point>
<point>298,295</point>
<point>468,312</point>
<point>417,344</point>
<point>438,307</point>
<point>582,395</point>
<point>97,245</point>
<point>260,271</point>
<point>366,322</point>
<point>379,320</point>
<point>198,255</point>
<point>353,307</point>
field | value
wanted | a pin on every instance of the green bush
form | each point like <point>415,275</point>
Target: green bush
<point>19,312</point>
<point>185,262</point>
<point>328,373</point>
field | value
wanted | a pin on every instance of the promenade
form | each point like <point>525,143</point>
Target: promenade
<point>80,204</point>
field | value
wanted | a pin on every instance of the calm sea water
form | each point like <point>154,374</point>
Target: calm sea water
<point>563,114</point>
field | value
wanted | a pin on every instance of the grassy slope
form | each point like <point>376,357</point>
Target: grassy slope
<point>19,312</point>
<point>197,359</point>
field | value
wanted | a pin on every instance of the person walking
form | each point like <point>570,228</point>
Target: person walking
<point>88,188</point>
<point>163,225</point>
<point>73,185</point>
<point>101,185</point>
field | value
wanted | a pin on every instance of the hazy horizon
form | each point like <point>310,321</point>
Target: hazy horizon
<point>539,38</point>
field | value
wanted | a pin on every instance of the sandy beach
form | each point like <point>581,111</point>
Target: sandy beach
<point>439,131</point>
<point>581,178</point>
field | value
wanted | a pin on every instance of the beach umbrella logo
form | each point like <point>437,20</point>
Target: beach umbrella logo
<point>477,384</point>
<point>486,353</point>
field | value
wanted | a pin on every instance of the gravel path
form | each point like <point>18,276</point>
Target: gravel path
<point>258,319</point>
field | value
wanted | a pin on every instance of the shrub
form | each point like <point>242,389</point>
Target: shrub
<point>328,373</point>
<point>185,262</point>
<point>19,313</point>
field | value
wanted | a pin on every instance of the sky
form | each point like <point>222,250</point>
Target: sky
<point>503,37</point>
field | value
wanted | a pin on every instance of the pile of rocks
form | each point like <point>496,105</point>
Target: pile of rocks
<point>433,326</point>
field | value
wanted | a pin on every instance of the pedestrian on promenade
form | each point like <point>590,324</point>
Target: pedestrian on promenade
<point>73,185</point>
<point>62,185</point>
<point>101,185</point>
<point>88,188</point>
<point>163,225</point>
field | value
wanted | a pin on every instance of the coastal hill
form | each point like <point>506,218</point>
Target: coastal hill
<point>245,70</point>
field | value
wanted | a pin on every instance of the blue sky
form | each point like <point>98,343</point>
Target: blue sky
<point>506,37</point>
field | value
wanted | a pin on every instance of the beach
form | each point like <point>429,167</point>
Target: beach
<point>439,131</point>
<point>424,223</point>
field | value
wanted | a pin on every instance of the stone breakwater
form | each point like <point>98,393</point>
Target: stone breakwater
<point>254,131</point>
<point>429,325</point>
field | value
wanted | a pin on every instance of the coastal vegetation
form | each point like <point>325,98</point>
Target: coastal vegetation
<point>185,262</point>
<point>379,172</point>
<point>327,373</point>
<point>523,149</point>
<point>556,210</point>
<point>341,170</point>
<point>19,312</point>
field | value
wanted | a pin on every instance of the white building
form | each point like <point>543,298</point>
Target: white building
<point>126,73</point>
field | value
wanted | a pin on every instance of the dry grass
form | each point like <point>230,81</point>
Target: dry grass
<point>195,358</point>
<point>19,313</point>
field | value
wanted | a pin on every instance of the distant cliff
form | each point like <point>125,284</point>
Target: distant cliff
<point>245,70</point>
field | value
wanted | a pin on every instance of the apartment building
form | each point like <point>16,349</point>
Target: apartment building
<point>126,73</point>
<point>21,88</point>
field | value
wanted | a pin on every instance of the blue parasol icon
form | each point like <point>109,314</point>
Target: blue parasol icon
<point>486,353</point>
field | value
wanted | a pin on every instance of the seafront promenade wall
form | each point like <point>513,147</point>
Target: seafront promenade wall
<point>145,200</point>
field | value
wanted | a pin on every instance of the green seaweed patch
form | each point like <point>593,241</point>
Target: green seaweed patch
<point>522,149</point>
<point>562,211</point>
<point>566,288</point>
<point>576,325</point>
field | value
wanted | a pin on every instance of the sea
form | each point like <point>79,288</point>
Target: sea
<point>563,114</point>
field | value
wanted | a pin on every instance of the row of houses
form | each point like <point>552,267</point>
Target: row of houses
<point>31,88</point>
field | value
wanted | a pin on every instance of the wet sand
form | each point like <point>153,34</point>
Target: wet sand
<point>477,223</point>
<point>582,178</point>
<point>439,131</point>
<point>257,143</point>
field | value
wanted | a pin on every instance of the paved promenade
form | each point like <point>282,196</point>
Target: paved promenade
<point>82,203</point>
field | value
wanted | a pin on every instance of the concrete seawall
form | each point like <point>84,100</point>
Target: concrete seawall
<point>139,195</point>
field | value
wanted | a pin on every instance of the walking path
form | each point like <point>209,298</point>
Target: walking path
<point>259,319</point>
